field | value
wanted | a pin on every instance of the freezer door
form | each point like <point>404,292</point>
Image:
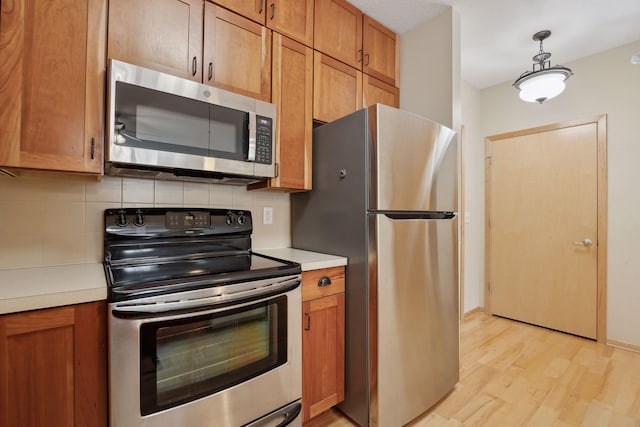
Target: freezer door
<point>413,162</point>
<point>414,330</point>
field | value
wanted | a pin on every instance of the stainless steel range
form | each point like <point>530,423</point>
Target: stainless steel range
<point>202,332</point>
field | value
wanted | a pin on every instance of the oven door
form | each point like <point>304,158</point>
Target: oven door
<point>190,359</point>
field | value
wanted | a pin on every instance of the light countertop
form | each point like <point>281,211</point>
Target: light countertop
<point>308,260</point>
<point>23,289</point>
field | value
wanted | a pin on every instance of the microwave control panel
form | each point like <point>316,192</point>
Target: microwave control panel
<point>264,138</point>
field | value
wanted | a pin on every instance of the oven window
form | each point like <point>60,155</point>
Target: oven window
<point>186,359</point>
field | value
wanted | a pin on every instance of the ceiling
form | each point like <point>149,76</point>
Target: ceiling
<point>496,34</point>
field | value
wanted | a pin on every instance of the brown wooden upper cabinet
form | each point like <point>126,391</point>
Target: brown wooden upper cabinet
<point>51,84</point>
<point>375,91</point>
<point>338,31</point>
<point>293,18</point>
<point>292,91</point>
<point>337,88</point>
<point>346,34</point>
<point>237,53</point>
<point>380,47</point>
<point>252,9</point>
<point>193,39</point>
<point>164,35</point>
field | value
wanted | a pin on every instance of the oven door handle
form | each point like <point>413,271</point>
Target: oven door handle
<point>279,418</point>
<point>127,309</point>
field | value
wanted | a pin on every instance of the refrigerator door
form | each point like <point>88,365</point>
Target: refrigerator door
<point>413,162</point>
<point>414,330</point>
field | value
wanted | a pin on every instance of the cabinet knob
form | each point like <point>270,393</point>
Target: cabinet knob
<point>366,55</point>
<point>194,66</point>
<point>210,71</point>
<point>261,9</point>
<point>273,11</point>
<point>324,281</point>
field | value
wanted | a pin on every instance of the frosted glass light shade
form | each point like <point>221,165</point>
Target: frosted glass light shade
<point>542,87</point>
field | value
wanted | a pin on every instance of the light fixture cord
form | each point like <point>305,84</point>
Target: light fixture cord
<point>541,53</point>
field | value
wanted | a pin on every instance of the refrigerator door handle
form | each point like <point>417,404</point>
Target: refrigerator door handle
<point>418,215</point>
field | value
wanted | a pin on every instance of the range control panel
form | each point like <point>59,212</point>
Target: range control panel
<point>176,221</point>
<point>188,219</point>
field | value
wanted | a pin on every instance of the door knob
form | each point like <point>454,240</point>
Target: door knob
<point>585,243</point>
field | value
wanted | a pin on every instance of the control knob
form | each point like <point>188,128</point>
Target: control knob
<point>139,219</point>
<point>121,219</point>
<point>242,219</point>
<point>230,219</point>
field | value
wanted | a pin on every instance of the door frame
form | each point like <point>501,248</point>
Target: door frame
<point>601,131</point>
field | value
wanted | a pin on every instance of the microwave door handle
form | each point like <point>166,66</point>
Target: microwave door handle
<point>251,155</point>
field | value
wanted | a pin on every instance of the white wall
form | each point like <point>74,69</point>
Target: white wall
<point>430,69</point>
<point>53,219</point>
<point>604,83</point>
<point>473,161</point>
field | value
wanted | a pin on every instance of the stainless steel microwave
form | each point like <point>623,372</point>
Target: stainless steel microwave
<point>167,127</point>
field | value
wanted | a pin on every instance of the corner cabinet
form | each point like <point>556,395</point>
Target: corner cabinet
<point>53,367</point>
<point>52,84</point>
<point>322,340</point>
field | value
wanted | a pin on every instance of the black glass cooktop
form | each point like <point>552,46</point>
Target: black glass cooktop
<point>160,251</point>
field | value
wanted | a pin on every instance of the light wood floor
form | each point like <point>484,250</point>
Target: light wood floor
<point>514,374</point>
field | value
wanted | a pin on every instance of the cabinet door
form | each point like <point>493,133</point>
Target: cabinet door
<point>164,35</point>
<point>380,52</point>
<point>322,354</point>
<point>237,53</point>
<point>293,18</point>
<point>51,84</point>
<point>338,31</point>
<point>337,88</point>
<point>53,367</point>
<point>377,92</point>
<point>292,91</point>
<point>252,9</point>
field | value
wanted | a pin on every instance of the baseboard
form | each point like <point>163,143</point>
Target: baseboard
<point>624,345</point>
<point>471,312</point>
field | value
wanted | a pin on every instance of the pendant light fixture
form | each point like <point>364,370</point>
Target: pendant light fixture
<point>544,81</point>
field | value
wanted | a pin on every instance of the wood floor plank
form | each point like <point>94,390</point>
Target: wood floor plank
<point>515,374</point>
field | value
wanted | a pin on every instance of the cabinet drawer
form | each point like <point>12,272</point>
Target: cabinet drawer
<point>312,287</point>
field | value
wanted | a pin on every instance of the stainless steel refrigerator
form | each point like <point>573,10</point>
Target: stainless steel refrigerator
<point>385,196</point>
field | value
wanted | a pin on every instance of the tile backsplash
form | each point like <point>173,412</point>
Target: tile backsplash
<point>48,219</point>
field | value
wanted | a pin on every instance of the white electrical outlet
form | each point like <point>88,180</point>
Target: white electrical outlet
<point>467,217</point>
<point>267,215</point>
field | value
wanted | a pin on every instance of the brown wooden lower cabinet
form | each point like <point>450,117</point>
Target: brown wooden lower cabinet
<point>322,340</point>
<point>53,367</point>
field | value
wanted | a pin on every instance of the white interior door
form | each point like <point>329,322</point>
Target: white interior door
<point>543,217</point>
